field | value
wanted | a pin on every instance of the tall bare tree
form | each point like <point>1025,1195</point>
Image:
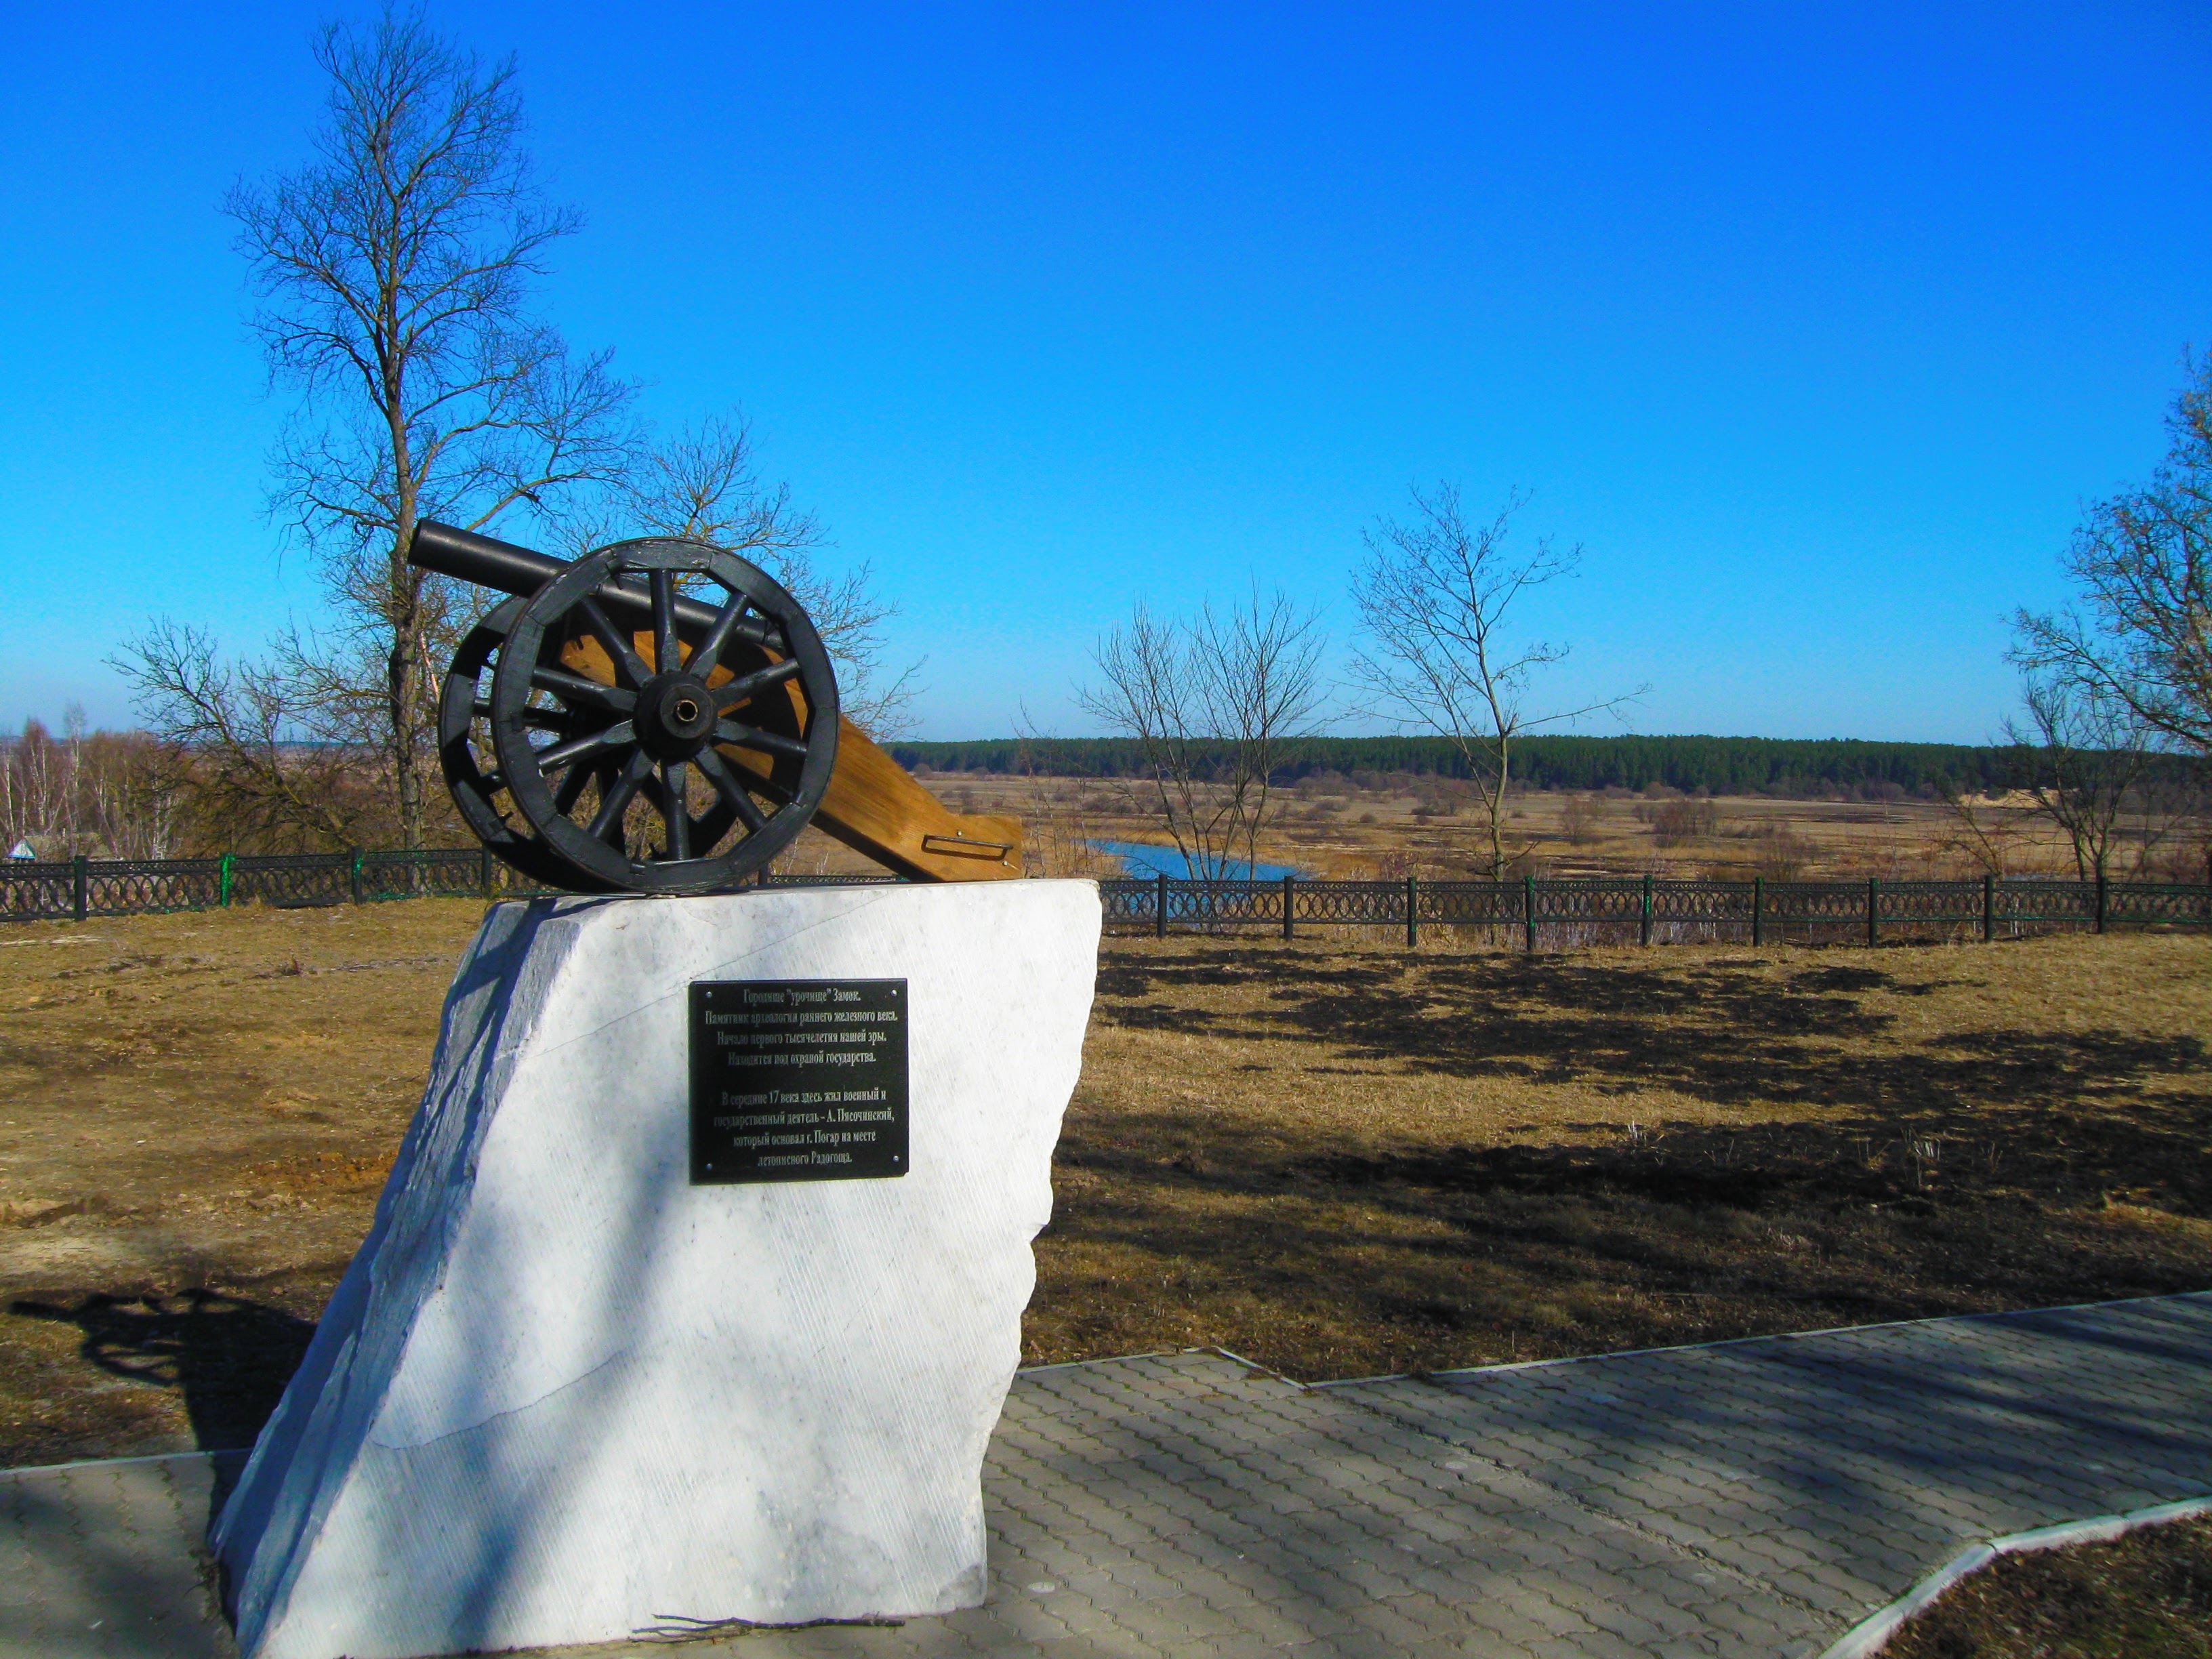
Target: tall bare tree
<point>396,271</point>
<point>1214,703</point>
<point>2141,637</point>
<point>1438,602</point>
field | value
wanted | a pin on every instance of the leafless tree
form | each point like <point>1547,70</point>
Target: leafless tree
<point>2141,638</point>
<point>1214,703</point>
<point>1438,600</point>
<point>2086,755</point>
<point>237,763</point>
<point>1984,833</point>
<point>702,482</point>
<point>396,270</point>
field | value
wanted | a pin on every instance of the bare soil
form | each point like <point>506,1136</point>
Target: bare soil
<point>1332,1156</point>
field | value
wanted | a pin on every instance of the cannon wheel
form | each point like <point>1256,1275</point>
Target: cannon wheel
<point>465,748</point>
<point>604,774</point>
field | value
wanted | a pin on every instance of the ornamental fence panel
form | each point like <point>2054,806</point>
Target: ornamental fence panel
<point>1659,909</point>
<point>36,892</point>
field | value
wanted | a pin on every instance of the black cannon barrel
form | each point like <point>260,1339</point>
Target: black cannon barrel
<point>490,563</point>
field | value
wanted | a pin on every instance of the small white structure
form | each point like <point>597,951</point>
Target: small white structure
<point>563,1393</point>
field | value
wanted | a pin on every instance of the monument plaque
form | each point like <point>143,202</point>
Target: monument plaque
<point>798,1080</point>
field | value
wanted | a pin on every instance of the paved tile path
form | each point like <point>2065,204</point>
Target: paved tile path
<point>1746,1498</point>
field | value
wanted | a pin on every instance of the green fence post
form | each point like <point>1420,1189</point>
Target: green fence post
<point>483,870</point>
<point>1287,930</point>
<point>222,879</point>
<point>1412,924</point>
<point>1160,906</point>
<point>1643,929</point>
<point>2101,901</point>
<point>80,894</point>
<point>1528,913</point>
<point>1989,909</point>
<point>356,875</point>
<point>1758,910</point>
<point>1874,911</point>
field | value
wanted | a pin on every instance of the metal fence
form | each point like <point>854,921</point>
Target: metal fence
<point>1535,914</point>
<point>80,888</point>
<point>1531,913</point>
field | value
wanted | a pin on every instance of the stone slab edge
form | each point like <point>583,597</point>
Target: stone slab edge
<point>1871,1634</point>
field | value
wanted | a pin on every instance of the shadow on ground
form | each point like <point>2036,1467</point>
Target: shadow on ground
<point>1865,1174</point>
<point>227,1356</point>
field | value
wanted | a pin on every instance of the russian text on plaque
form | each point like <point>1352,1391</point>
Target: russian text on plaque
<point>798,1080</point>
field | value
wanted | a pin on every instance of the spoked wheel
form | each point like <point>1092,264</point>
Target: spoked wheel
<point>676,750</point>
<point>466,756</point>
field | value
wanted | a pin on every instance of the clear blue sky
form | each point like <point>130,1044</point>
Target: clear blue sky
<point>1815,324</point>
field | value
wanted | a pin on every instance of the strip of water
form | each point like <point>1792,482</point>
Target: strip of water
<point>1142,858</point>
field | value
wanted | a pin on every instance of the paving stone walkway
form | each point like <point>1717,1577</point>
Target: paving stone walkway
<point>1746,1498</point>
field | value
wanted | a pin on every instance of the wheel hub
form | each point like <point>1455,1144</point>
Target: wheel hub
<point>675,716</point>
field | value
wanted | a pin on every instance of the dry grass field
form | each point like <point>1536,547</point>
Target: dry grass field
<point>1332,1156</point>
<point>1332,826</point>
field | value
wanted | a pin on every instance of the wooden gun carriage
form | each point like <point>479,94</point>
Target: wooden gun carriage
<point>660,716</point>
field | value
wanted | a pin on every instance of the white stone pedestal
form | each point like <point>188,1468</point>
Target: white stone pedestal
<point>563,1393</point>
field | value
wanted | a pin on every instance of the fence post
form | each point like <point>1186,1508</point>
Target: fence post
<point>223,881</point>
<point>2101,901</point>
<point>1874,911</point>
<point>1160,906</point>
<point>1989,909</point>
<point>1287,930</point>
<point>1528,913</point>
<point>483,870</point>
<point>1412,924</point>
<point>355,875</point>
<point>1758,910</point>
<point>79,895</point>
<point>1643,930</point>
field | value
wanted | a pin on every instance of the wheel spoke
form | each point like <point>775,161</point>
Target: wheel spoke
<point>727,785</point>
<point>664,619</point>
<point>674,808</point>
<point>576,689</point>
<point>750,736</point>
<point>572,787</point>
<point>704,660</point>
<point>615,799</point>
<point>619,735</point>
<point>545,719</point>
<point>617,644</point>
<point>731,693</point>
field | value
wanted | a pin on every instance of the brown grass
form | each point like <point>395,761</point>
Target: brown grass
<point>1392,826</point>
<point>1334,1156</point>
<point>1345,1162</point>
<point>2147,1596</point>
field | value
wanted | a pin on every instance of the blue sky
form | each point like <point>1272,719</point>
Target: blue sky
<point>1814,325</point>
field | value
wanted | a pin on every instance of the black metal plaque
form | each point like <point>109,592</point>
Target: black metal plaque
<point>798,1080</point>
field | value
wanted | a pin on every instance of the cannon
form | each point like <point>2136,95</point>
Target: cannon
<point>660,716</point>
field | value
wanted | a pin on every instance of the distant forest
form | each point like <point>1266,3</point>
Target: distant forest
<point>1717,766</point>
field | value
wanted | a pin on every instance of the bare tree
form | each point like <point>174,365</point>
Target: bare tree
<point>702,483</point>
<point>396,270</point>
<point>1984,833</point>
<point>2086,754</point>
<point>1214,704</point>
<point>1438,601</point>
<point>2141,639</point>
<point>235,761</point>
